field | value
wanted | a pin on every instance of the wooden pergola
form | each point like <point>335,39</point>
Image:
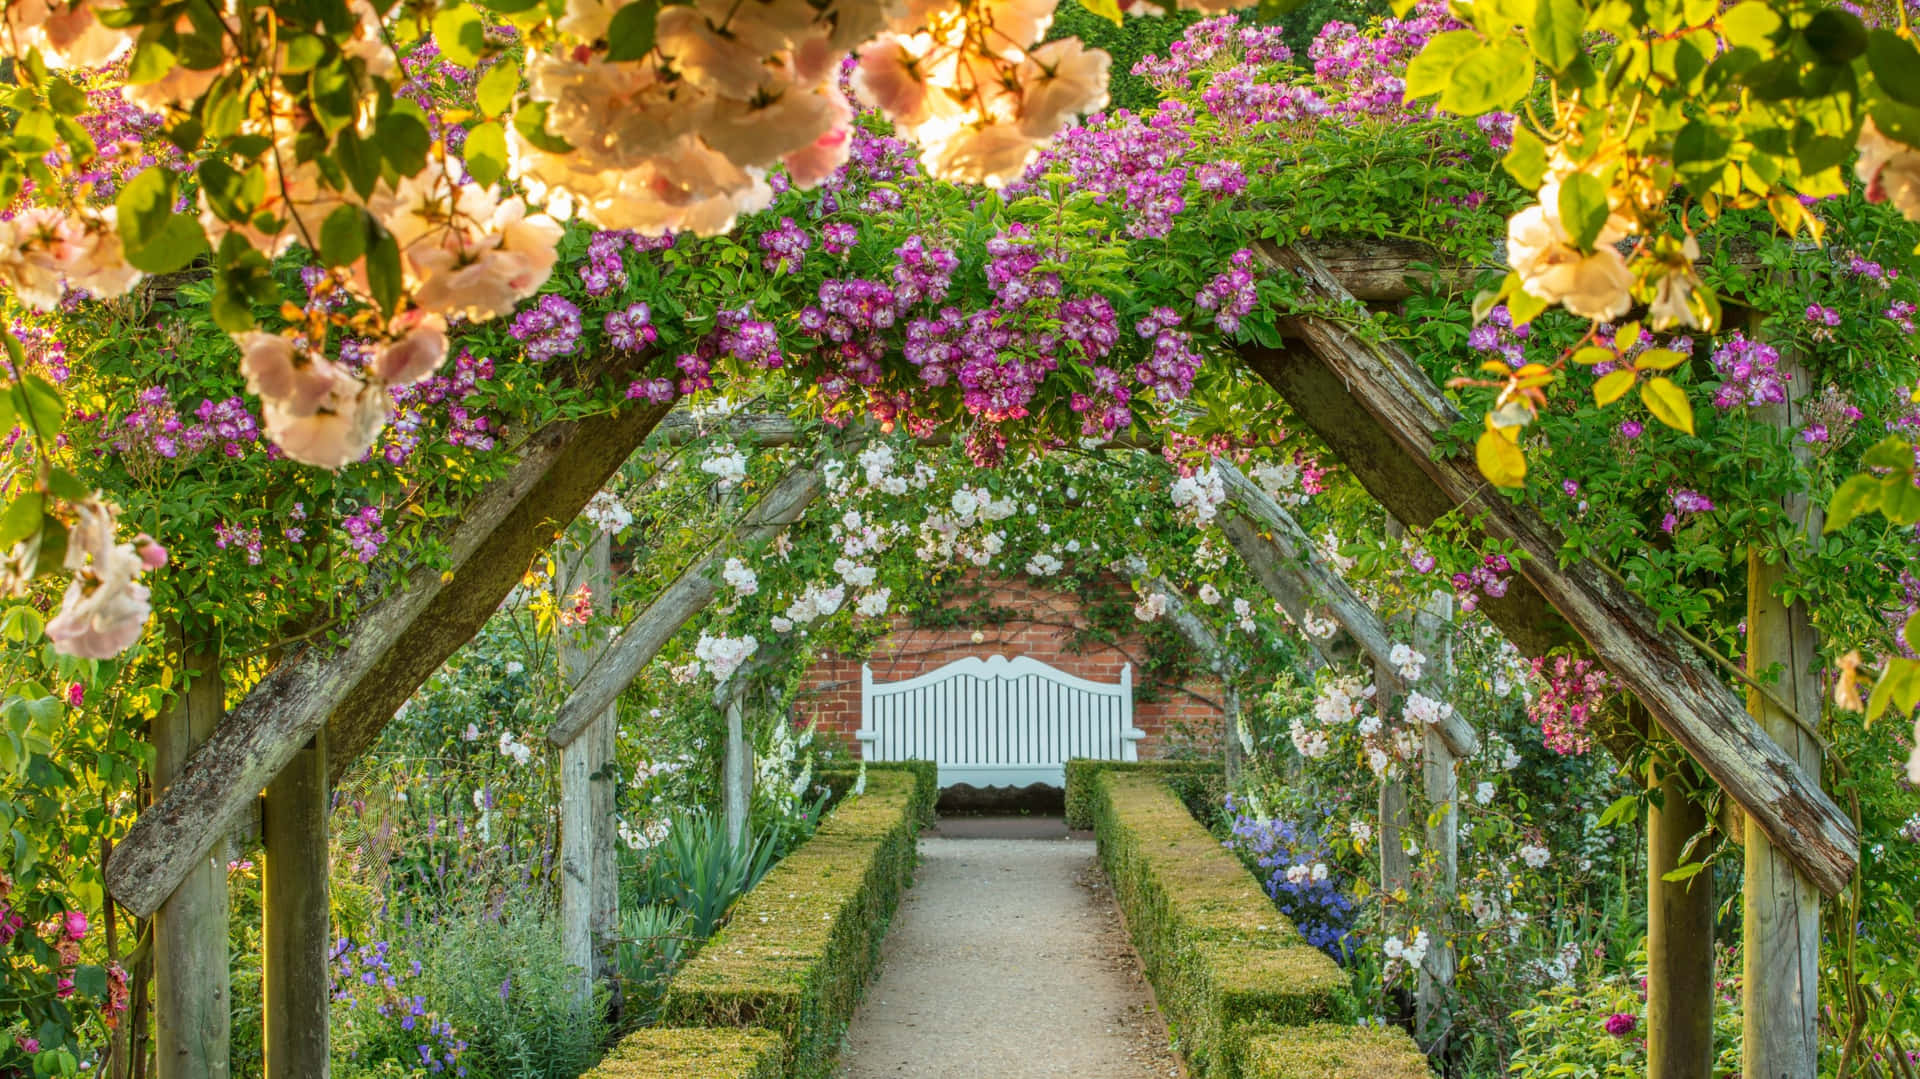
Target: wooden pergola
<point>324,703</point>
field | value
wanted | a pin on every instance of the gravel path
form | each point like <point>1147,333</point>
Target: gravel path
<point>1007,960</point>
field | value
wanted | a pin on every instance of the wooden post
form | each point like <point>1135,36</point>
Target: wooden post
<point>1396,814</point>
<point>1432,638</point>
<point>589,873</point>
<point>1680,981</point>
<point>736,779</point>
<point>192,979</point>
<point>1780,927</point>
<point>297,932</point>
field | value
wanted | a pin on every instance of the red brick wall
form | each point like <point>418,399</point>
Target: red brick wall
<point>1171,715</point>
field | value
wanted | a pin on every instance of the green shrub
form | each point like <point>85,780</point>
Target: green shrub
<point>1225,965</point>
<point>693,1054</point>
<point>1330,1051</point>
<point>699,870</point>
<point>1128,43</point>
<point>798,949</point>
<point>841,778</point>
<point>1198,783</point>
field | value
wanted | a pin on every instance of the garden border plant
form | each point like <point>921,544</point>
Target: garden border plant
<point>1190,779</point>
<point>797,953</point>
<point>657,1053</point>
<point>1227,968</point>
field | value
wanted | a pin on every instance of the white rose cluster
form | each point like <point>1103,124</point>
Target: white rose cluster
<point>1151,607</point>
<point>1424,711</point>
<point>1197,498</point>
<point>816,601</point>
<point>1407,663</point>
<point>1043,565</point>
<point>724,655</point>
<point>740,577</point>
<point>726,464</point>
<point>607,513</point>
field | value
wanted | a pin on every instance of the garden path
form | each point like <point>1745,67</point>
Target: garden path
<point>1007,960</point>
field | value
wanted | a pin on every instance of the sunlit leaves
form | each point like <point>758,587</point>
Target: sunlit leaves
<point>1888,490</point>
<point>1583,208</point>
<point>1497,452</point>
<point>486,152</point>
<point>156,239</point>
<point>1557,27</point>
<point>461,35</point>
<point>1611,386</point>
<point>1668,403</point>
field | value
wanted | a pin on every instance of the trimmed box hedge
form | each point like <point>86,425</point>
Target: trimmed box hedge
<point>1193,781</point>
<point>673,1053</point>
<point>797,950</point>
<point>840,778</point>
<point>1328,1051</point>
<point>1225,965</point>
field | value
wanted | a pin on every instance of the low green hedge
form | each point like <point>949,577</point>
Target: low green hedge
<point>1329,1051</point>
<point>840,778</point>
<point>673,1053</point>
<point>1193,781</point>
<point>797,950</point>
<point>1225,965</point>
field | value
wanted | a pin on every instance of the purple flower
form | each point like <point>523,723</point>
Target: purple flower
<point>1620,1024</point>
<point>549,329</point>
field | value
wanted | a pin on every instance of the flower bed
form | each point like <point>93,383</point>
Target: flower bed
<point>799,948</point>
<point>662,1053</point>
<point>1331,1051</point>
<point>1187,778</point>
<point>1227,967</point>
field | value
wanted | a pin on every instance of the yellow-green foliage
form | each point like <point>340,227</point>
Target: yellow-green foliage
<point>1225,965</point>
<point>677,1053</point>
<point>841,778</point>
<point>1184,775</point>
<point>1328,1051</point>
<point>798,948</point>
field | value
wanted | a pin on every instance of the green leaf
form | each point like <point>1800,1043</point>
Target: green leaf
<point>1623,810</point>
<point>1431,72</point>
<point>21,518</point>
<point>1700,154</point>
<point>1859,493</point>
<point>1668,403</point>
<point>486,152</point>
<point>530,120</point>
<point>1836,36</point>
<point>404,141</point>
<point>1750,25</point>
<point>1583,208</point>
<point>497,88</point>
<point>1890,452</point>
<point>1555,33</point>
<point>33,132</point>
<point>180,241</point>
<point>1593,354</point>
<point>1895,66</point>
<point>1685,872</point>
<point>37,403</point>
<point>630,34</point>
<point>383,266</point>
<point>1526,159</point>
<point>152,62</point>
<point>1659,359</point>
<point>461,35</point>
<point>1493,77</point>
<point>1611,386</point>
<point>359,160</point>
<point>343,236</point>
<point>1106,9</point>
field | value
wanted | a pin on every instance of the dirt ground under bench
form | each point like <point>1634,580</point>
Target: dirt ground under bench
<point>1007,959</point>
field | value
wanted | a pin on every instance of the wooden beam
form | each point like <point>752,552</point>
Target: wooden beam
<point>192,974</point>
<point>297,927</point>
<point>589,872</point>
<point>1407,419</point>
<point>1780,909</point>
<point>1219,660</point>
<point>1263,557</point>
<point>1320,585</point>
<point>1440,781</point>
<point>643,637</point>
<point>1680,959</point>
<point>397,641</point>
<point>736,780</point>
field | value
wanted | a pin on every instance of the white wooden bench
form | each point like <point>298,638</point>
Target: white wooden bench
<point>997,722</point>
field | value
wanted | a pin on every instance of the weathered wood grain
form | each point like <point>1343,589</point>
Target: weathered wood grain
<point>297,978</point>
<point>1399,421</point>
<point>1319,585</point>
<point>192,980</point>
<point>589,869</point>
<point>649,631</point>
